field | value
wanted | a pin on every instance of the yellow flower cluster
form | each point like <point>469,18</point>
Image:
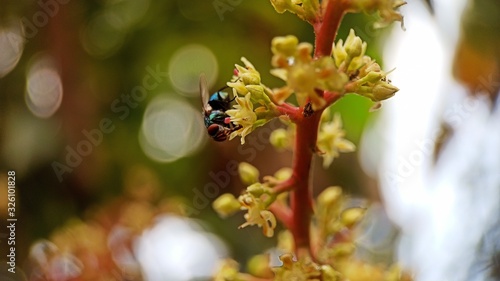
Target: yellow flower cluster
<point>256,207</point>
<point>242,115</point>
<point>228,271</point>
<point>313,10</point>
<point>331,141</point>
<point>304,269</point>
<point>305,76</point>
<point>367,79</point>
<point>256,199</point>
<point>333,236</point>
<point>254,107</point>
<point>385,8</point>
<point>257,214</point>
<point>304,9</point>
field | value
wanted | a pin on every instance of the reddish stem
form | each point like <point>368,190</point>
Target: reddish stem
<point>331,97</point>
<point>289,110</point>
<point>284,186</point>
<point>301,197</point>
<point>282,213</point>
<point>307,133</point>
<point>326,29</point>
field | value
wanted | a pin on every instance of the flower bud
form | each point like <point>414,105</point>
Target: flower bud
<point>357,63</point>
<point>339,53</point>
<point>279,139</point>
<point>279,5</point>
<point>352,216</point>
<point>382,91</point>
<point>256,189</point>
<point>250,78</point>
<point>227,270</point>
<point>330,197</point>
<point>259,96</point>
<point>284,45</point>
<point>304,51</point>
<point>373,77</point>
<point>353,45</point>
<point>248,173</point>
<point>283,174</point>
<point>258,266</point>
<point>285,241</point>
<point>239,87</point>
<point>372,67</point>
<point>226,205</point>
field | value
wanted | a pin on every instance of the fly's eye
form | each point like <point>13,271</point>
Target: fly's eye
<point>213,129</point>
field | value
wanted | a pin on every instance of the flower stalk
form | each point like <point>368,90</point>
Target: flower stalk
<point>301,196</point>
<point>326,30</point>
<point>316,76</point>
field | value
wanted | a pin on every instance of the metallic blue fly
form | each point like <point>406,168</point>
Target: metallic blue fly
<point>217,122</point>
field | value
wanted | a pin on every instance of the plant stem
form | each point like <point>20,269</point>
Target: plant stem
<point>301,197</point>
<point>326,30</point>
<point>307,134</point>
<point>282,213</point>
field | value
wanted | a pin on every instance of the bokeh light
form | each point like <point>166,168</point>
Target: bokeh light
<point>44,89</point>
<point>11,44</point>
<point>102,37</point>
<point>171,129</point>
<point>127,13</point>
<point>187,64</point>
<point>178,249</point>
<point>105,32</point>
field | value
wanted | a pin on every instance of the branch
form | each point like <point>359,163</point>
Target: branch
<point>282,213</point>
<point>326,30</point>
<point>301,198</point>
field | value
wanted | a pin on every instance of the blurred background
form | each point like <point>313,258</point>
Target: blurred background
<point>100,119</point>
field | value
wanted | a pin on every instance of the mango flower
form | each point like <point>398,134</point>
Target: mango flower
<point>247,80</point>
<point>305,76</point>
<point>367,79</point>
<point>254,108</point>
<point>304,269</point>
<point>306,10</point>
<point>226,205</point>
<point>331,141</point>
<point>257,214</point>
<point>385,8</point>
<point>244,116</point>
<point>228,270</point>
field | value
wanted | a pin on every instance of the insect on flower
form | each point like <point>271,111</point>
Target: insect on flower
<point>218,123</point>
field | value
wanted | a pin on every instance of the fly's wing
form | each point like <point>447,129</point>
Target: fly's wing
<point>204,93</point>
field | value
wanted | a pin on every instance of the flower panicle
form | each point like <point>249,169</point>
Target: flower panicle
<point>255,200</point>
<point>305,76</point>
<point>308,10</point>
<point>365,75</point>
<point>253,106</point>
<point>386,9</point>
<point>304,269</point>
<point>331,141</point>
